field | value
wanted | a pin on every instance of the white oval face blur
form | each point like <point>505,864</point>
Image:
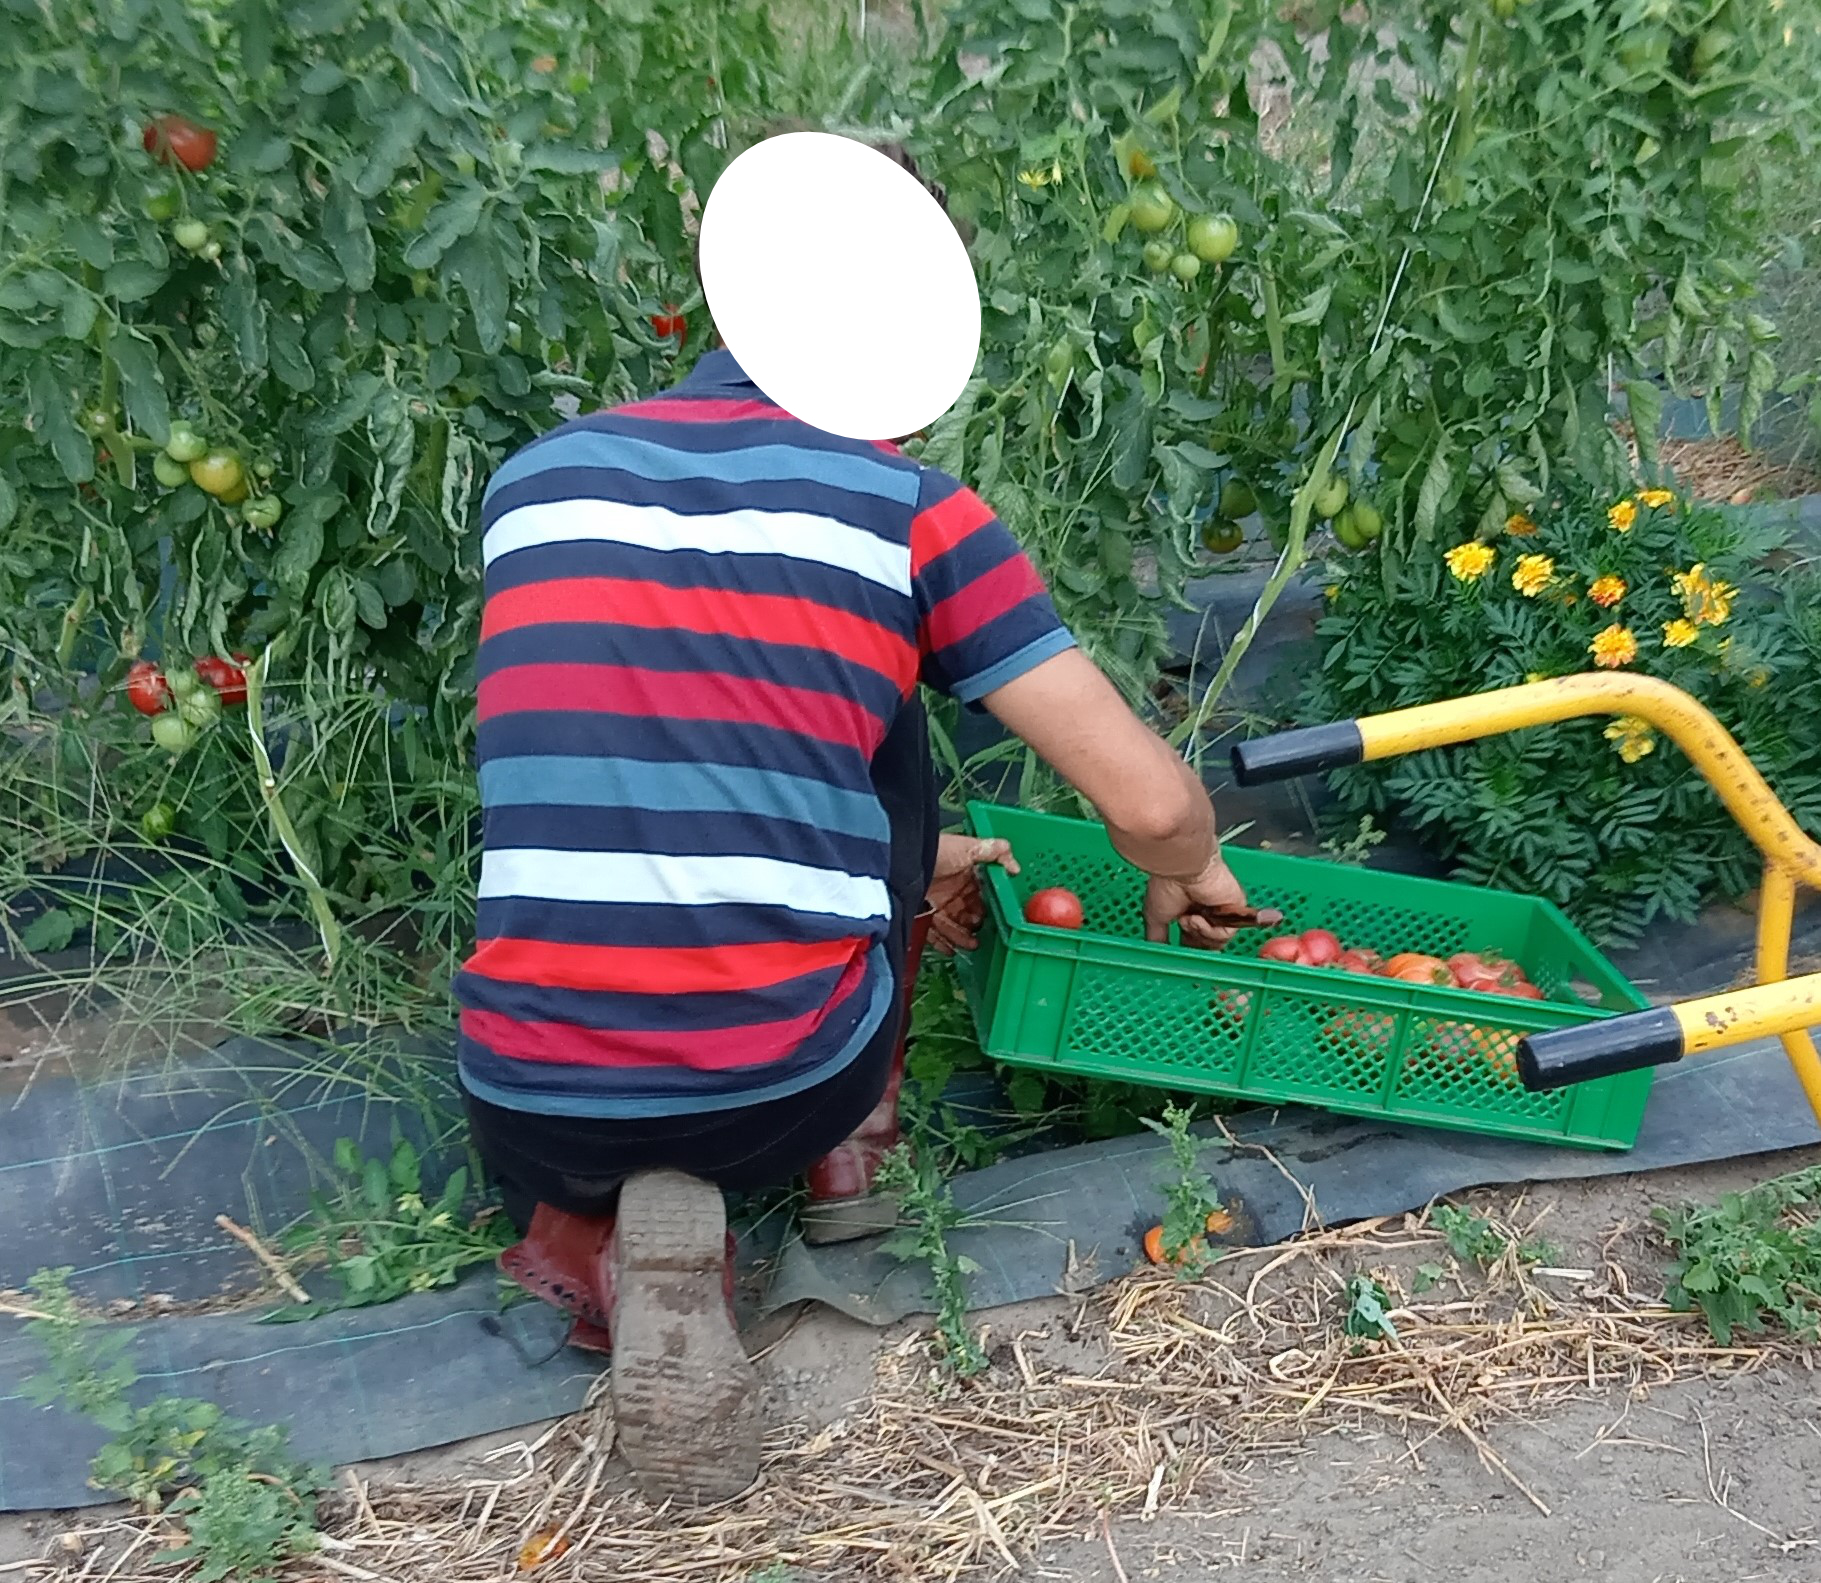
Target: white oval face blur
<point>840,286</point>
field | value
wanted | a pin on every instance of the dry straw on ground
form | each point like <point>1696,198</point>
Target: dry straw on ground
<point>1200,1387</point>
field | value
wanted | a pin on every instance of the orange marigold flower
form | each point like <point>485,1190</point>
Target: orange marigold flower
<point>1622,515</point>
<point>1470,561</point>
<point>1678,634</point>
<point>1706,600</point>
<point>1519,526</point>
<point>1614,646</point>
<point>1532,574</point>
<point>1606,591</point>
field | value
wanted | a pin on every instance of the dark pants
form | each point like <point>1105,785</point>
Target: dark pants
<point>577,1163</point>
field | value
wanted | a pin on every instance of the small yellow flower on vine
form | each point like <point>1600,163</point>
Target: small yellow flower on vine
<point>1532,574</point>
<point>1606,591</point>
<point>1656,497</point>
<point>1519,526</point>
<point>1622,515</point>
<point>1039,177</point>
<point>1613,646</point>
<point>1678,634</point>
<point>1332,591</point>
<point>1633,737</point>
<point>1470,561</point>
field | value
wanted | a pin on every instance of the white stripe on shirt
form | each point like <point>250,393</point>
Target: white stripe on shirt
<point>656,879</point>
<point>800,535</point>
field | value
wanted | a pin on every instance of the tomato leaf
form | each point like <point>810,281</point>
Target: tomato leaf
<point>344,228</point>
<point>133,280</point>
<point>1314,308</point>
<point>9,503</point>
<point>1438,479</point>
<point>1645,403</point>
<point>245,311</point>
<point>289,360</point>
<point>397,141</point>
<point>569,160</point>
<point>142,385</point>
<point>79,311</point>
<point>449,222</point>
<point>476,265</point>
<point>56,425</point>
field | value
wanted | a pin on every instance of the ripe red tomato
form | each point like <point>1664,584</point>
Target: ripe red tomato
<point>1054,908</point>
<point>146,689</point>
<point>1320,948</point>
<point>176,137</point>
<point>227,678</point>
<point>1283,948</point>
<point>665,325</point>
<point>1522,989</point>
<point>1364,962</point>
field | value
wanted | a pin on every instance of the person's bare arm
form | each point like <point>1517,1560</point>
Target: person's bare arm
<point>1157,813</point>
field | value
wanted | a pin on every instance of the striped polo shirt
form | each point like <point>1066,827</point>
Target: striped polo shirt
<point>701,618</point>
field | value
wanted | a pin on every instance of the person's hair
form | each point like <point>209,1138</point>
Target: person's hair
<point>895,151</point>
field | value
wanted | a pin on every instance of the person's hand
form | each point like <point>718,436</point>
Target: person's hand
<point>1167,900</point>
<point>954,893</point>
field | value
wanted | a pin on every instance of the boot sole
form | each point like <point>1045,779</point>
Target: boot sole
<point>685,1396</point>
<point>848,1219</point>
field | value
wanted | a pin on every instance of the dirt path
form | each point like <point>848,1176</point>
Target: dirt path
<point>1223,1426</point>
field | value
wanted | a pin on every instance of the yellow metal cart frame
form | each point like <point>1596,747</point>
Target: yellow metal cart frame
<point>1777,1005</point>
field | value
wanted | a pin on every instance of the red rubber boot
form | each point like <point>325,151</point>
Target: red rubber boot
<point>568,1261</point>
<point>842,1204</point>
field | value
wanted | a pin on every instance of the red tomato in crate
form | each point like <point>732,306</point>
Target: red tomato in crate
<point>1413,967</point>
<point>1055,908</point>
<point>1355,961</point>
<point>1320,948</point>
<point>1282,948</point>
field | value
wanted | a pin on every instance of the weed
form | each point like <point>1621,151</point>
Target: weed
<point>1357,847</point>
<point>929,1214</point>
<point>1750,1257</point>
<point>380,1237</point>
<point>1189,1197</point>
<point>1428,1277</point>
<point>245,1504</point>
<point>1475,1239</point>
<point>1368,1310</point>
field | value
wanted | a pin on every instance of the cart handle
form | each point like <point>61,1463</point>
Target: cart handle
<point>1790,856</point>
<point>1561,1056</point>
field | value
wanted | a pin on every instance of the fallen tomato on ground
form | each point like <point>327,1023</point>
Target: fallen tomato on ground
<point>1054,908</point>
<point>1220,1222</point>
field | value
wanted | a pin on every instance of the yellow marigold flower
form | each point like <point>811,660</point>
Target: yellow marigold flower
<point>1536,676</point>
<point>1760,677</point>
<point>1707,600</point>
<point>1519,526</point>
<point>1532,574</point>
<point>1606,591</point>
<point>1470,561</point>
<point>1622,515</point>
<point>1678,634</point>
<point>1634,737</point>
<point>1332,591</point>
<point>1656,497</point>
<point>1613,646</point>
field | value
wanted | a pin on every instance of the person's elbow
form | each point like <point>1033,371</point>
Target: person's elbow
<point>1160,813</point>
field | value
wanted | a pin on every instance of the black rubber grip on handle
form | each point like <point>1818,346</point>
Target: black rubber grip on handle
<point>1599,1049</point>
<point>1287,754</point>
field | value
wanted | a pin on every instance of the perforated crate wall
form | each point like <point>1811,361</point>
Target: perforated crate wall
<point>1102,1002</point>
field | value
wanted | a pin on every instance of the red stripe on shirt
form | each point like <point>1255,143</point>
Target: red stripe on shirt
<point>716,612</point>
<point>678,695</point>
<point>985,599</point>
<point>655,970</point>
<point>941,527</point>
<point>670,409</point>
<point>699,1049</point>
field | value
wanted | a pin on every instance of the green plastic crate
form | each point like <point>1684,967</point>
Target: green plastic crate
<point>1103,1002</point>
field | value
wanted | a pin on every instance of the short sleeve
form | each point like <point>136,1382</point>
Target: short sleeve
<point>984,617</point>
